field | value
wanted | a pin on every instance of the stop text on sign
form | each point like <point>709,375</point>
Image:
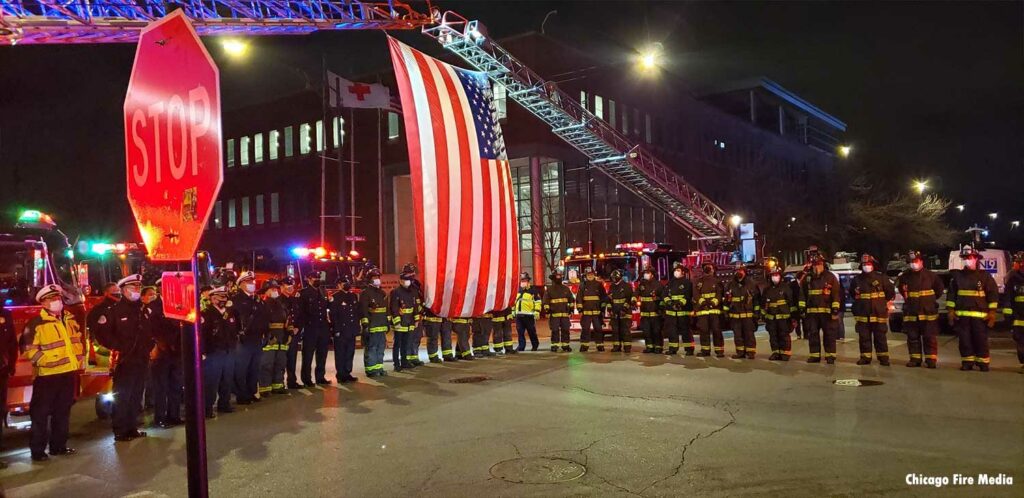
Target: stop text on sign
<point>166,136</point>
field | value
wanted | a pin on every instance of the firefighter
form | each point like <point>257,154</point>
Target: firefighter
<point>53,343</point>
<point>482,326</point>
<point>527,311</point>
<point>819,304</point>
<point>556,303</point>
<point>743,308</point>
<point>343,310</point>
<point>649,295</point>
<point>621,299</point>
<point>166,370</point>
<point>8,361</point>
<point>1013,304</point>
<point>778,303</point>
<point>920,289</point>
<point>274,341</point>
<point>219,338</point>
<point>678,306</point>
<point>373,317</point>
<point>253,327</point>
<point>971,303</point>
<point>439,337</point>
<point>131,329</point>
<point>590,300</point>
<point>502,320</point>
<point>871,291</point>
<point>315,331</point>
<point>94,329</point>
<point>462,326</point>
<point>709,292</point>
<point>416,336</point>
<point>294,329</point>
<point>402,308</point>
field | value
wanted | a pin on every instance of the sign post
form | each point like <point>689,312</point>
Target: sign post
<point>173,159</point>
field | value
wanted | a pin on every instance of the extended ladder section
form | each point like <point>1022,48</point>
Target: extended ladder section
<point>112,21</point>
<point>622,160</point>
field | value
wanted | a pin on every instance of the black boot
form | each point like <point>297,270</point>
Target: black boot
<point>814,359</point>
<point>627,349</point>
<point>784,357</point>
<point>554,349</point>
<point>566,349</point>
<point>830,361</point>
<point>689,351</point>
<point>914,363</point>
<point>774,357</point>
<point>600,348</point>
<point>929,363</point>
<point>739,355</point>
<point>864,361</point>
<point>616,348</point>
<point>510,350</point>
<point>672,351</point>
<point>751,354</point>
<point>704,353</point>
<point>584,348</point>
<point>965,366</point>
<point>435,359</point>
<point>884,361</point>
<point>983,367</point>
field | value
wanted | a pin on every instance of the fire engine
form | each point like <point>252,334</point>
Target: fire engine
<point>34,253</point>
<point>631,258</point>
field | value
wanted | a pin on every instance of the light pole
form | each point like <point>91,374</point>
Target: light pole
<point>920,186</point>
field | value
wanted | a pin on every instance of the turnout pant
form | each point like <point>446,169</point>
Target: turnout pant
<point>778,336</point>
<point>481,331</point>
<point>621,331</point>
<point>293,358</point>
<point>50,410</point>
<point>129,382</point>
<point>166,375</point>
<point>1018,337</point>
<point>374,344</point>
<point>462,339</point>
<point>818,328</point>
<point>400,348</point>
<point>559,331</point>
<point>590,329</point>
<point>710,329</point>
<point>502,335</point>
<point>973,333</point>
<point>218,375</point>
<point>415,337</point>
<point>272,365</point>
<point>651,327</point>
<point>872,332</point>
<point>439,333</point>
<point>922,339</point>
<point>314,345</point>
<point>527,324</point>
<point>247,370</point>
<point>344,353</point>
<point>677,330</point>
<point>743,335</point>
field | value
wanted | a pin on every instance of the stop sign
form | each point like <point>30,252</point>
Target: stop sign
<point>172,138</point>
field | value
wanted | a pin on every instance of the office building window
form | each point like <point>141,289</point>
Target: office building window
<point>393,130</point>
<point>339,131</point>
<point>289,141</point>
<point>583,99</point>
<point>599,106</point>
<point>272,143</point>
<point>259,209</point>
<point>231,213</point>
<point>243,150</point>
<point>304,139</point>
<point>218,213</point>
<point>501,101</point>
<point>275,213</point>
<point>647,128</point>
<point>245,211</point>
<point>320,137</point>
<point>611,113</point>
<point>257,148</point>
<point>231,152</point>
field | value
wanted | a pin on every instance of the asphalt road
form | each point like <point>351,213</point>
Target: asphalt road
<point>593,424</point>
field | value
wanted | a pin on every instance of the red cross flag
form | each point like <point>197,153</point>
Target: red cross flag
<point>345,93</point>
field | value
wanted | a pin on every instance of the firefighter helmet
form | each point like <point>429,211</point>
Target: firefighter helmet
<point>969,252</point>
<point>867,258</point>
<point>47,292</point>
<point>271,284</point>
<point>407,275</point>
<point>680,266</point>
<point>588,270</point>
<point>913,254</point>
<point>556,276</point>
<point>525,277</point>
<point>287,281</point>
<point>409,268</point>
<point>649,269</point>
<point>372,272</point>
<point>708,268</point>
<point>616,274</point>
<point>1018,257</point>
<point>771,264</point>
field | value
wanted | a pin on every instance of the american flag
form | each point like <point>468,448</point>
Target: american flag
<point>466,225</point>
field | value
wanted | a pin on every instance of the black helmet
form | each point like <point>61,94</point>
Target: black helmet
<point>409,268</point>
<point>616,274</point>
<point>913,254</point>
<point>271,284</point>
<point>525,277</point>
<point>556,276</point>
<point>373,272</point>
<point>867,258</point>
<point>407,275</point>
<point>287,281</point>
<point>680,266</point>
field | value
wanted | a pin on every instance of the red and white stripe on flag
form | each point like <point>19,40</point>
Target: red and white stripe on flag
<point>467,231</point>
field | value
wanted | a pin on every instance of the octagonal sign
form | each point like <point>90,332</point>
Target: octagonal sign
<point>172,138</point>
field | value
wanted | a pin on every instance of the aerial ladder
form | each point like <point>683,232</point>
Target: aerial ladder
<point>622,160</point>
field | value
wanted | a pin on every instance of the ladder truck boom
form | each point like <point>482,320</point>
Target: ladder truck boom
<point>623,161</point>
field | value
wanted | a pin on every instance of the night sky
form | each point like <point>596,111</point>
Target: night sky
<point>930,90</point>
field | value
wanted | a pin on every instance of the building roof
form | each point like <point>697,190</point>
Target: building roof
<point>778,91</point>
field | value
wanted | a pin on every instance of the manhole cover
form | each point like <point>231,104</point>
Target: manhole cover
<point>857,382</point>
<point>469,380</point>
<point>537,470</point>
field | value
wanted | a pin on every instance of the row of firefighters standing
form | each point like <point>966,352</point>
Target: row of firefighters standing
<point>670,312</point>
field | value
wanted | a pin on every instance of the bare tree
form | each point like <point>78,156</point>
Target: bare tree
<point>900,222</point>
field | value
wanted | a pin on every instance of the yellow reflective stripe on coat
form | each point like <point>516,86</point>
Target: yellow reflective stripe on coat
<point>970,293</point>
<point>972,314</point>
<point>871,295</point>
<point>382,328</point>
<point>378,310</point>
<point>922,293</point>
<point>559,300</point>
<point>870,319</point>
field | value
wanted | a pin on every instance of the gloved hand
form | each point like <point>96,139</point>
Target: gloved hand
<point>951,317</point>
<point>991,318</point>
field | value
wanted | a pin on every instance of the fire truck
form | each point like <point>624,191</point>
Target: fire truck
<point>631,258</point>
<point>34,253</point>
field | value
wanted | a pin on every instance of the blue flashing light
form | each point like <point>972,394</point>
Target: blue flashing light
<point>300,252</point>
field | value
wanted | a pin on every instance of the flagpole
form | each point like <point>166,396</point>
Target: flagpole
<point>323,141</point>
<point>352,176</point>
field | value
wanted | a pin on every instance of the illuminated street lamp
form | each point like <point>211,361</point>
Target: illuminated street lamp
<point>234,47</point>
<point>993,215</point>
<point>735,220</point>
<point>1014,223</point>
<point>845,150</point>
<point>920,186</point>
<point>960,207</point>
<point>651,57</point>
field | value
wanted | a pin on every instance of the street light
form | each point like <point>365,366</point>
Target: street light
<point>1014,224</point>
<point>234,47</point>
<point>960,207</point>
<point>650,58</point>
<point>845,150</point>
<point>993,215</point>
<point>735,220</point>
<point>920,186</point>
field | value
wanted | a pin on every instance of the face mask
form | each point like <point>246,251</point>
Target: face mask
<point>524,285</point>
<point>55,306</point>
<point>273,294</point>
<point>708,270</point>
<point>869,268</point>
<point>591,278</point>
<point>970,264</point>
<point>776,279</point>
<point>648,276</point>
<point>250,288</point>
<point>916,265</point>
<point>818,270</point>
<point>132,295</point>
<point>288,289</point>
<point>406,283</point>
<point>678,274</point>
<point>375,282</point>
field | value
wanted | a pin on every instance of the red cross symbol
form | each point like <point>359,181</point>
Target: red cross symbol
<point>359,90</point>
